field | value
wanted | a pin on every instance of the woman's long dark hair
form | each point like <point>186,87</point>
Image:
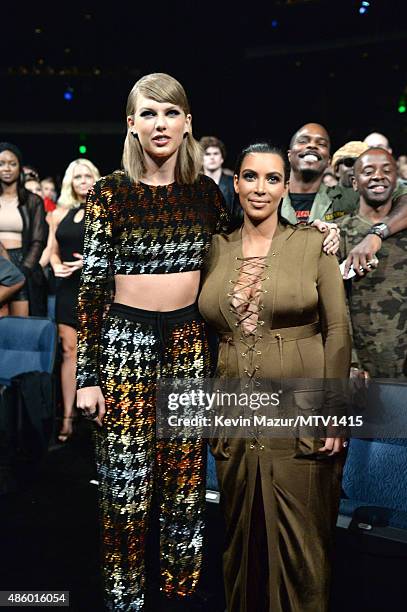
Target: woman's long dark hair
<point>261,147</point>
<point>21,190</point>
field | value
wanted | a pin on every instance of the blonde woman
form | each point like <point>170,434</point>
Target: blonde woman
<point>66,240</point>
<point>150,228</point>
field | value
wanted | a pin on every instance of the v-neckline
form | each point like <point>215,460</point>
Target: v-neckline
<point>277,234</point>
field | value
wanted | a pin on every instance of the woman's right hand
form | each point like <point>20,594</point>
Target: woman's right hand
<point>62,271</point>
<point>74,265</point>
<point>92,402</point>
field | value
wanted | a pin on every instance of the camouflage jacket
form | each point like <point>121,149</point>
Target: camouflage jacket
<point>378,302</point>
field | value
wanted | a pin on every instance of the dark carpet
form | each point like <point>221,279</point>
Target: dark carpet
<point>49,541</point>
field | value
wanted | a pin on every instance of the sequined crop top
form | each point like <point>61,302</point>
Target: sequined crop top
<point>135,228</point>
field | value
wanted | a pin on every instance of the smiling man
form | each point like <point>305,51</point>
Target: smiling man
<point>309,199</point>
<point>378,302</point>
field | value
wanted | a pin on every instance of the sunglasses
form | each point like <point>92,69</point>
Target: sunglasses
<point>348,162</point>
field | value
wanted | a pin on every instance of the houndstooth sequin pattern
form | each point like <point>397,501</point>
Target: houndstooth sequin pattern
<point>132,463</point>
<point>134,228</point>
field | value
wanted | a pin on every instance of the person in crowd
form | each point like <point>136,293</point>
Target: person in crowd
<point>11,280</point>
<point>23,232</point>
<point>34,186</point>
<point>277,301</point>
<point>66,243</point>
<point>329,177</point>
<point>213,159</point>
<point>402,169</point>
<point>30,172</point>
<point>49,193</point>
<point>344,159</point>
<point>150,227</point>
<point>49,188</point>
<point>375,139</point>
<point>377,301</point>
<point>309,199</point>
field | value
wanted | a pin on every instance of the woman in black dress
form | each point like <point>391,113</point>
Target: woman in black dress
<point>68,229</point>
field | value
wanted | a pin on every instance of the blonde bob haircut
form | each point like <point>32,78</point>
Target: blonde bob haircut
<point>67,199</point>
<point>161,87</point>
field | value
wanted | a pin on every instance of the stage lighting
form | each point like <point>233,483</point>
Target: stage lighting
<point>364,6</point>
<point>68,94</point>
<point>83,149</point>
<point>274,23</point>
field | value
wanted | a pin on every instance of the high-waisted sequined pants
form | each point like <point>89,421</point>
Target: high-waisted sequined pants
<point>134,467</point>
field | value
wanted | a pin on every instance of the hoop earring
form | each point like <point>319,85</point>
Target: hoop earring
<point>186,135</point>
<point>135,135</point>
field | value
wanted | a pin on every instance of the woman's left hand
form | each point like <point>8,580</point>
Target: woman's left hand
<point>333,446</point>
<point>75,265</point>
<point>331,242</point>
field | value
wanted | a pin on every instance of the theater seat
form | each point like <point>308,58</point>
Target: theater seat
<point>27,356</point>
<point>376,469</point>
<point>211,479</point>
<point>27,344</point>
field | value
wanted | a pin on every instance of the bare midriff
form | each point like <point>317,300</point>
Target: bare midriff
<point>10,243</point>
<point>157,292</point>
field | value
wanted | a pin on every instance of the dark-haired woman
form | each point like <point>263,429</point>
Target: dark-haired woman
<point>277,302</point>
<point>148,229</point>
<point>23,232</point>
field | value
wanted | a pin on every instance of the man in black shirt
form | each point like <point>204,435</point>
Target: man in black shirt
<point>309,155</point>
<point>302,204</point>
<point>308,198</point>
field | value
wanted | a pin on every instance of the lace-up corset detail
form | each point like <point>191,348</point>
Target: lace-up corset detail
<point>245,296</point>
<point>246,304</point>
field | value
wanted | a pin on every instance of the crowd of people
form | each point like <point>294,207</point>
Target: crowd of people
<point>142,260</point>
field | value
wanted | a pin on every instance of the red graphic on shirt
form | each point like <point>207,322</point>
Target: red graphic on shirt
<point>302,215</point>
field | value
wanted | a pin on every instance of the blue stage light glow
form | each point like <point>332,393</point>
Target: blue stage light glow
<point>68,94</point>
<point>274,23</point>
<point>364,7</point>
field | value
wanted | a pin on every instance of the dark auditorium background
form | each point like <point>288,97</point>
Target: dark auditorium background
<point>251,69</point>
